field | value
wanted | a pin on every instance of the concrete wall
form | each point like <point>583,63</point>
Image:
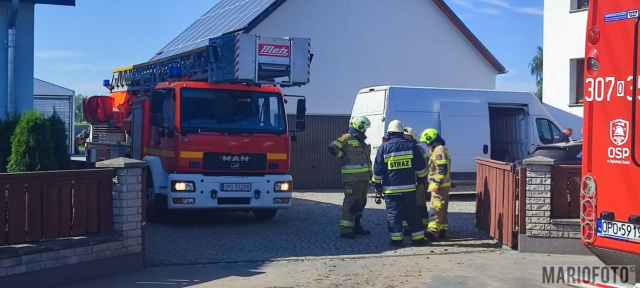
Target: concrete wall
<point>68,260</point>
<point>564,39</point>
<point>23,57</point>
<point>361,43</point>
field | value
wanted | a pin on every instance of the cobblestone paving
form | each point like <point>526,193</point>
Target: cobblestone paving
<point>309,229</point>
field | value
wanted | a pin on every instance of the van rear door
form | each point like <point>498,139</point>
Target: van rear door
<point>465,128</point>
<point>372,104</point>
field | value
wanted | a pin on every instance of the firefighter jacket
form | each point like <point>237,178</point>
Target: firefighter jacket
<point>354,156</point>
<point>397,165</point>
<point>440,167</point>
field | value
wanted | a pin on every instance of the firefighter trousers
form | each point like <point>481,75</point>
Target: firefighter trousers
<point>403,204</point>
<point>438,211</point>
<point>355,198</point>
<point>421,200</point>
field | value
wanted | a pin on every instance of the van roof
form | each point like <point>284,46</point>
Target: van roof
<point>387,87</point>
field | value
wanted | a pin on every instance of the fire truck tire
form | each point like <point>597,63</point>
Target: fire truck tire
<point>154,213</point>
<point>265,214</point>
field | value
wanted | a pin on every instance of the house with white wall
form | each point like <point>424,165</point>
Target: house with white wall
<point>565,23</point>
<point>357,44</point>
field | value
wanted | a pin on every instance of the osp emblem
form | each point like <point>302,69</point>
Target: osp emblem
<point>619,131</point>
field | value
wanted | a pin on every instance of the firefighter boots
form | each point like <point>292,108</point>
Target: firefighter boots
<point>348,235</point>
<point>397,243</point>
<point>357,229</point>
<point>420,242</point>
<point>431,236</point>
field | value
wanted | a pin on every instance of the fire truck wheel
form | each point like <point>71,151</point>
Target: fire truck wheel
<point>265,214</point>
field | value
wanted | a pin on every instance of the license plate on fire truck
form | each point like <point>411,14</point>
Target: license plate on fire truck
<point>243,187</point>
<point>619,230</point>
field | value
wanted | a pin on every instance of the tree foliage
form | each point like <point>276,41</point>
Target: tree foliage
<point>536,70</point>
<point>7,127</point>
<point>59,138</point>
<point>31,146</point>
<point>78,108</point>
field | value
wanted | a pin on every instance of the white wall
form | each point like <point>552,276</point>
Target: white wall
<point>564,39</point>
<point>23,57</point>
<point>360,43</point>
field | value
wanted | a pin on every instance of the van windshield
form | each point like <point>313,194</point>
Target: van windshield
<point>231,111</point>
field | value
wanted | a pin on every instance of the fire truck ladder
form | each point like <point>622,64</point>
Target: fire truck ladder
<point>231,58</point>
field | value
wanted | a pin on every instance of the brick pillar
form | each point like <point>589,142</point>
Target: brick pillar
<point>127,203</point>
<point>538,200</point>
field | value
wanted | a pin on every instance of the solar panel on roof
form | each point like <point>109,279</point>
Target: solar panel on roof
<point>225,16</point>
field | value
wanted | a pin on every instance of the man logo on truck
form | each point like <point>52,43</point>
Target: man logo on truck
<point>236,158</point>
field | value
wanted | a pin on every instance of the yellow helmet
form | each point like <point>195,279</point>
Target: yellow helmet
<point>409,131</point>
<point>360,123</point>
<point>428,135</point>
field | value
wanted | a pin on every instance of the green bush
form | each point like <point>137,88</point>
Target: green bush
<point>31,147</point>
<point>6,130</point>
<point>59,139</point>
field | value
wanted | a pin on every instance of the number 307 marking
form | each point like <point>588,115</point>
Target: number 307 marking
<point>596,88</point>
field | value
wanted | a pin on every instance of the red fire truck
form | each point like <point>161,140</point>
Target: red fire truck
<point>211,123</point>
<point>610,200</point>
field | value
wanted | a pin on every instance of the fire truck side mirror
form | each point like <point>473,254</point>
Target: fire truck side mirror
<point>301,113</point>
<point>157,119</point>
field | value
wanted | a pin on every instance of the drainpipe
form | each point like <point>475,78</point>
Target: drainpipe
<point>11,47</point>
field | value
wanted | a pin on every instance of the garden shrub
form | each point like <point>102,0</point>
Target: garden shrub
<point>31,147</point>
<point>59,138</point>
<point>7,127</point>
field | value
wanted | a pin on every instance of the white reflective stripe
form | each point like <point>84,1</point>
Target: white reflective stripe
<point>421,171</point>
<point>400,187</point>
<point>355,166</point>
<point>377,177</point>
<point>417,233</point>
<point>397,154</point>
<point>396,234</point>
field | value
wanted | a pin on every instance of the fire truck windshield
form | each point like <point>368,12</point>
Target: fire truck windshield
<point>231,111</point>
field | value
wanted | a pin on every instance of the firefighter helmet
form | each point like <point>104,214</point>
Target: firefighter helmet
<point>395,126</point>
<point>428,135</point>
<point>360,123</point>
<point>409,131</point>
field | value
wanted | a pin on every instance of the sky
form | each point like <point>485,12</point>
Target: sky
<point>78,47</point>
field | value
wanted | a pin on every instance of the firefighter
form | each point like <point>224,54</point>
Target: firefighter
<point>439,184</point>
<point>356,172</point>
<point>397,165</point>
<point>421,199</point>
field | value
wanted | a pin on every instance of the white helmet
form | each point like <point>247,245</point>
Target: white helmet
<point>409,131</point>
<point>395,126</point>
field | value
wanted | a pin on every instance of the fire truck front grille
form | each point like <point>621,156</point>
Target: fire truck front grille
<point>223,161</point>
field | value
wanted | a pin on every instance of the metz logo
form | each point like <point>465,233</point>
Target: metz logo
<point>236,158</point>
<point>619,131</point>
<point>273,50</point>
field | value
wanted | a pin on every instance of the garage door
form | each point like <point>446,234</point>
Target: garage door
<point>62,106</point>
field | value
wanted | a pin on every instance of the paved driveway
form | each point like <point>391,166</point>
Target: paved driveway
<point>309,229</point>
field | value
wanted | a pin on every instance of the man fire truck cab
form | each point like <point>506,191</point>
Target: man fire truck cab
<point>211,124</point>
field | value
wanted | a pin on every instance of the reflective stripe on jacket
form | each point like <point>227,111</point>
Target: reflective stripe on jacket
<point>397,165</point>
<point>440,167</point>
<point>356,164</point>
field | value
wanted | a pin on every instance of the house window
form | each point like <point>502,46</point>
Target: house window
<point>577,81</point>
<point>579,4</point>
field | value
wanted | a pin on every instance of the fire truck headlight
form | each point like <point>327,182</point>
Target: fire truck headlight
<point>183,186</point>
<point>588,186</point>
<point>282,186</point>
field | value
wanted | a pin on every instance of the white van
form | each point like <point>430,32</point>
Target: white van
<point>500,125</point>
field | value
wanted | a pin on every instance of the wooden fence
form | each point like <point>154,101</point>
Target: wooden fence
<point>565,191</point>
<point>54,204</point>
<point>496,199</point>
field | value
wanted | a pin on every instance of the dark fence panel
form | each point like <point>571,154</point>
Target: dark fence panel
<point>565,191</point>
<point>54,204</point>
